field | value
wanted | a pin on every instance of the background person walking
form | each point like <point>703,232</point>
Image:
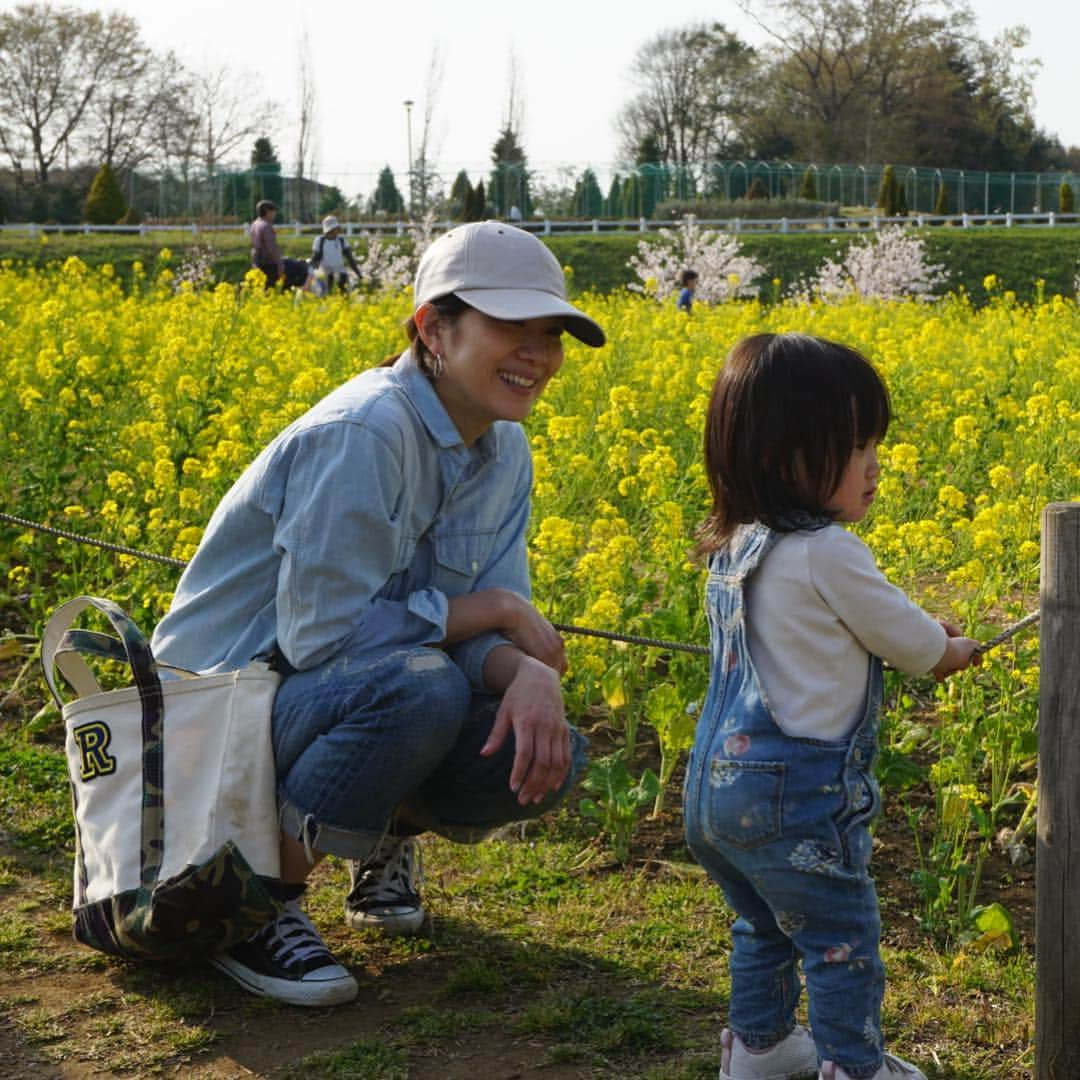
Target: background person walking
<point>330,253</point>
<point>265,253</point>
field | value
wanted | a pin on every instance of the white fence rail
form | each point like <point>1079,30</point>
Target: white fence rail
<point>545,227</point>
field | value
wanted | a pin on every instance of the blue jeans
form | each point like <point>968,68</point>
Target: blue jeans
<point>363,748</point>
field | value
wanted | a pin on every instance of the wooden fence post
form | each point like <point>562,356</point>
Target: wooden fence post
<point>1057,890</point>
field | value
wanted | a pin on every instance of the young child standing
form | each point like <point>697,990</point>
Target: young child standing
<point>688,280</point>
<point>780,790</point>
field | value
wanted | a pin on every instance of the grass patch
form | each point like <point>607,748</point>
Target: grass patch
<point>370,1059</point>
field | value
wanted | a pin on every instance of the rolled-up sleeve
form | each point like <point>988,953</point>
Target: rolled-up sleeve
<point>339,540</point>
<point>507,568</point>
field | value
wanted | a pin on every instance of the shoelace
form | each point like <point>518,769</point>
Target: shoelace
<point>394,878</point>
<point>292,938</point>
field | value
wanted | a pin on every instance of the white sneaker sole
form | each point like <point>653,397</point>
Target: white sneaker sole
<point>336,990</point>
<point>404,924</point>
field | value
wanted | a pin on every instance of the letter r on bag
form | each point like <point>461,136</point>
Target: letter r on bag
<point>93,741</point>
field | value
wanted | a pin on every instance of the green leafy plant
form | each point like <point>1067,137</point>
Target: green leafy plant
<point>617,800</point>
<point>674,721</point>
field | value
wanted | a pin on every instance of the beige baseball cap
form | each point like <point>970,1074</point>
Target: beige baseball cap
<point>502,271</point>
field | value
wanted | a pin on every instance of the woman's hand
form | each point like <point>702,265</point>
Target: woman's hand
<point>532,707</point>
<point>532,633</point>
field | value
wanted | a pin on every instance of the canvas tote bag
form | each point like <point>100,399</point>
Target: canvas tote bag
<point>173,788</point>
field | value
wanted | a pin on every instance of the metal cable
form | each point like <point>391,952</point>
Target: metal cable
<point>68,535</point>
<point>564,628</point>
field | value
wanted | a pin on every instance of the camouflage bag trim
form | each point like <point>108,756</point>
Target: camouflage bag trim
<point>202,910</point>
<point>206,907</point>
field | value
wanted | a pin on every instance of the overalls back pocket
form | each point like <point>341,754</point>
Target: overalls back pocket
<point>745,803</point>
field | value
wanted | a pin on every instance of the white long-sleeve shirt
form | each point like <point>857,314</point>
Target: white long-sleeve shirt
<point>817,605</point>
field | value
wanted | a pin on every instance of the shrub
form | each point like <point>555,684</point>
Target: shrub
<point>941,203</point>
<point>888,194</point>
<point>1066,198</point>
<point>105,204</point>
<point>728,209</point>
<point>808,187</point>
<point>757,189</point>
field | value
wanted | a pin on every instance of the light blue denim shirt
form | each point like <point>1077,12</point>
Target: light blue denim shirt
<point>350,531</point>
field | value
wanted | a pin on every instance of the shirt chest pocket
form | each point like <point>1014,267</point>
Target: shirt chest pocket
<point>460,556</point>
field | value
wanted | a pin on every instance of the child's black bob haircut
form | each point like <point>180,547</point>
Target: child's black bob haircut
<point>786,412</point>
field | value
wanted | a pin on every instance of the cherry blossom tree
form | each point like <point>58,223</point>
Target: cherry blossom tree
<point>723,271</point>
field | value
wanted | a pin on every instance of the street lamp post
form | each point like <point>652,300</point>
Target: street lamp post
<point>408,136</point>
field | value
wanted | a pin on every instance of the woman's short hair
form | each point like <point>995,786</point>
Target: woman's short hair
<point>786,412</point>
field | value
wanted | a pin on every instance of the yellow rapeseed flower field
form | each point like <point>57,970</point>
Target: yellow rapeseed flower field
<point>127,412</point>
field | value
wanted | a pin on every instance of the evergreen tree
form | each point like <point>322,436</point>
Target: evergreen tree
<point>461,197</point>
<point>331,200</point>
<point>941,204</point>
<point>888,192</point>
<point>478,209</point>
<point>105,204</point>
<point>901,200</point>
<point>588,198</point>
<point>387,198</point>
<point>1066,198</point>
<point>808,187</point>
<point>648,151</point>
<point>614,197</point>
<point>266,179</point>
<point>631,196</point>
<point>508,186</point>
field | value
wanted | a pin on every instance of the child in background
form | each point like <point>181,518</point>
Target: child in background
<point>780,790</point>
<point>688,280</point>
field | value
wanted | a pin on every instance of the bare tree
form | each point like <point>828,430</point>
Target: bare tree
<point>129,117</point>
<point>423,179</point>
<point>54,60</point>
<point>694,86</point>
<point>228,118</point>
<point>305,128</point>
<point>846,71</point>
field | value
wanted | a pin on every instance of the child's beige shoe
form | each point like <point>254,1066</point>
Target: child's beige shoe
<point>892,1068</point>
<point>792,1058</point>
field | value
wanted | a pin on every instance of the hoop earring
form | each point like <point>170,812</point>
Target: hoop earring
<point>438,366</point>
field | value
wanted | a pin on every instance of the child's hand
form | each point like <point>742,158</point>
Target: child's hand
<point>960,652</point>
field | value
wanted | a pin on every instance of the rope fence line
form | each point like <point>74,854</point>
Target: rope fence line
<point>564,628</point>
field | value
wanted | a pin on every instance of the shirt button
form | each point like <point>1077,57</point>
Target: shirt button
<point>475,566</point>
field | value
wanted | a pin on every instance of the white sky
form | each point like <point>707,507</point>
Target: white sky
<point>369,56</point>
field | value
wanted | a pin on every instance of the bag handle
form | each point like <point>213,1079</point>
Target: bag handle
<point>91,643</point>
<point>143,669</point>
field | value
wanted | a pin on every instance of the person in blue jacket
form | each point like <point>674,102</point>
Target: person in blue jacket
<point>376,548</point>
<point>688,280</point>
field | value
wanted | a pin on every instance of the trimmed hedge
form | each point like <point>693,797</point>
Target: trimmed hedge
<point>1018,257</point>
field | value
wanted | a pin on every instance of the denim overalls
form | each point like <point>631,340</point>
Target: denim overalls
<point>781,824</point>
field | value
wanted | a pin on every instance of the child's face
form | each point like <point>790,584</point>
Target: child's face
<point>858,482</point>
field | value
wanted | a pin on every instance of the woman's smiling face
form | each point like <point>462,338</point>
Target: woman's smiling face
<point>493,369</point>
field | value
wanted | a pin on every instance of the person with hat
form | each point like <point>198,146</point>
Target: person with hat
<point>265,253</point>
<point>376,548</point>
<point>330,253</point>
